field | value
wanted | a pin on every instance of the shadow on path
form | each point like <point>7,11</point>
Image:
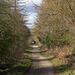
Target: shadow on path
<point>41,71</point>
<point>40,64</point>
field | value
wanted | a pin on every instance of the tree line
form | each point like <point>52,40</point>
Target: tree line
<point>14,35</point>
<point>55,23</point>
<point>55,29</point>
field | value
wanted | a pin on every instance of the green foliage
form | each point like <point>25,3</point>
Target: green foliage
<point>71,73</point>
<point>65,41</point>
<point>48,40</point>
<point>14,35</point>
<point>6,35</point>
<point>40,39</point>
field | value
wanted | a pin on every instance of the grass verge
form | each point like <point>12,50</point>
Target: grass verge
<point>20,68</point>
<point>60,67</point>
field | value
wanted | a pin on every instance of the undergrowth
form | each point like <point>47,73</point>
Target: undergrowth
<point>21,68</point>
<point>59,67</point>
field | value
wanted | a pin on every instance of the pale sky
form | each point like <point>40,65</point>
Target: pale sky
<point>31,11</point>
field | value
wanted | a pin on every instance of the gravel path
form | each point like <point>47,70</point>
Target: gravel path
<point>40,64</point>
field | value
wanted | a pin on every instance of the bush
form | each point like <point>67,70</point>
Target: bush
<point>14,35</point>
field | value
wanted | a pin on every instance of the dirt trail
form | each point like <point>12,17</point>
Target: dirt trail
<point>40,64</point>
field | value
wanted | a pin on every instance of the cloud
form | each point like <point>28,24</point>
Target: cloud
<point>32,17</point>
<point>31,20</point>
<point>31,11</point>
<point>31,2</point>
<point>37,1</point>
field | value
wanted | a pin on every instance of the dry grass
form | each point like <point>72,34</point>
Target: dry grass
<point>64,59</point>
